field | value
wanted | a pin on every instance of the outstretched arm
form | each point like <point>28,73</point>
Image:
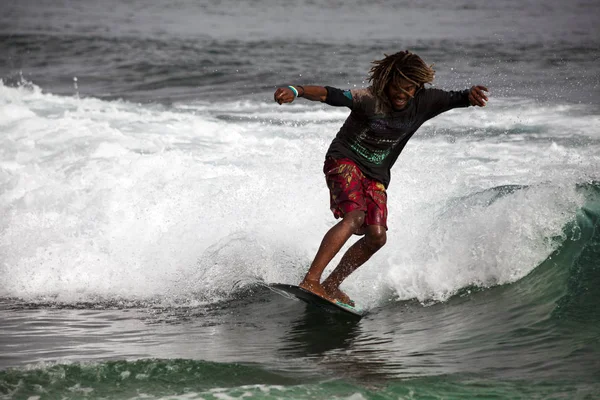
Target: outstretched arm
<point>287,95</point>
<point>437,101</point>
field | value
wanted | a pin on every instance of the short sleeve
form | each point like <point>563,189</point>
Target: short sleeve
<point>438,101</point>
<point>363,100</point>
<point>338,97</point>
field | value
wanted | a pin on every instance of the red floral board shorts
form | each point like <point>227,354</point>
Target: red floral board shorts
<point>350,190</point>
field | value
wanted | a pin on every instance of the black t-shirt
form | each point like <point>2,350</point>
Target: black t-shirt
<point>373,136</point>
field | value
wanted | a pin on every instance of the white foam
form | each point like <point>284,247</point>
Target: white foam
<point>526,117</point>
<point>118,200</point>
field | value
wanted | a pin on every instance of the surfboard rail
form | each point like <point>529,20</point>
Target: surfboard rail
<point>315,300</point>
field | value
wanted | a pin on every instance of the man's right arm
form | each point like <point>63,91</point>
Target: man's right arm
<point>326,94</point>
<point>314,93</point>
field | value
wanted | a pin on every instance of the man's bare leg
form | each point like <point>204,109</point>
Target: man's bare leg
<point>357,255</point>
<point>331,244</point>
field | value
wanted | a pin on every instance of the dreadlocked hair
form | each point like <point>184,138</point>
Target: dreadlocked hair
<point>402,65</point>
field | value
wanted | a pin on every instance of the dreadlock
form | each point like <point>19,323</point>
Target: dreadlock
<point>402,65</point>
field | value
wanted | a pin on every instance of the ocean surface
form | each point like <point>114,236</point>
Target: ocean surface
<point>150,188</point>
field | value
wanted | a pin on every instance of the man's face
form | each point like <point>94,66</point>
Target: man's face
<point>400,93</point>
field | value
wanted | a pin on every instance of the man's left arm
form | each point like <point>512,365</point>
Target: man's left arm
<point>438,101</point>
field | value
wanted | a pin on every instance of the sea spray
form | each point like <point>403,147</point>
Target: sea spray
<point>117,200</point>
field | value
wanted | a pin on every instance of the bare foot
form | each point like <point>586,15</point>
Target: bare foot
<point>316,288</point>
<point>342,297</point>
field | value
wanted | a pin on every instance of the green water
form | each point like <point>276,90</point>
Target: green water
<point>162,379</point>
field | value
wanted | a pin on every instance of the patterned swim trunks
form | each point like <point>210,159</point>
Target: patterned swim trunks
<point>350,190</point>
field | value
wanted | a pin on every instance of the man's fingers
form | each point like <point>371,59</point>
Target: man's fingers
<point>278,95</point>
<point>281,96</point>
<point>475,99</point>
<point>480,92</point>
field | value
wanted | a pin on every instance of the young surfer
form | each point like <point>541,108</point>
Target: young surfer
<point>383,117</point>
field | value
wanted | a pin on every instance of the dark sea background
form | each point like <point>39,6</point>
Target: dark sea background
<point>150,188</point>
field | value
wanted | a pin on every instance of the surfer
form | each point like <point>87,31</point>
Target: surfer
<point>383,117</point>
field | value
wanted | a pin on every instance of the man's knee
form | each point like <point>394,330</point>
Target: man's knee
<point>376,237</point>
<point>355,219</point>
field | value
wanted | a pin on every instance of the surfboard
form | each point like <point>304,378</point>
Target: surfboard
<point>315,300</point>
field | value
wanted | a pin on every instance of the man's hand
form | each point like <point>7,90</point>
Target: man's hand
<point>284,95</point>
<point>477,97</point>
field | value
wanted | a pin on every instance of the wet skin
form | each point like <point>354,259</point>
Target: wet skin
<point>399,95</point>
<point>374,239</point>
